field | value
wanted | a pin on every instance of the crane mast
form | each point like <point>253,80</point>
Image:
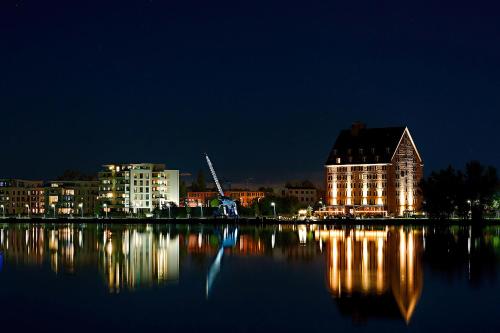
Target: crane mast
<point>214,175</point>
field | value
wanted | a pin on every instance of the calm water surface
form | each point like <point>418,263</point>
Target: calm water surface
<point>134,278</point>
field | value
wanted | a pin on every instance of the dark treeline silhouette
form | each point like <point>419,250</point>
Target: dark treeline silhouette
<point>299,184</point>
<point>467,193</point>
<point>199,185</point>
<point>75,175</point>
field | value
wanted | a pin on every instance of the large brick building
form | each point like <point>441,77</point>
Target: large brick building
<point>373,172</point>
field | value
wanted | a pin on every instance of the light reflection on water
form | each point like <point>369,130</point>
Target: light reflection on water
<point>373,264</point>
<point>370,272</point>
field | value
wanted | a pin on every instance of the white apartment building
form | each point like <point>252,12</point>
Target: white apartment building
<point>137,187</point>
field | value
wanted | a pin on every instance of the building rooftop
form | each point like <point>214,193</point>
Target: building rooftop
<point>362,145</point>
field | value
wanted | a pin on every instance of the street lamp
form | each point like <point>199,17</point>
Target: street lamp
<point>3,210</point>
<point>201,207</point>
<point>80,205</point>
<point>274,208</point>
<point>54,209</point>
<point>105,209</point>
<point>28,207</point>
<point>168,206</point>
<point>470,208</point>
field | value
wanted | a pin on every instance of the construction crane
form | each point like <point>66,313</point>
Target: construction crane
<point>226,206</point>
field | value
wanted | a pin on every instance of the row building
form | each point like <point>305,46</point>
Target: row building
<point>373,172</point>
<point>20,197</point>
<point>36,197</point>
<point>119,188</point>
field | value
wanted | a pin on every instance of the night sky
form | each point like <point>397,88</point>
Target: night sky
<point>264,87</point>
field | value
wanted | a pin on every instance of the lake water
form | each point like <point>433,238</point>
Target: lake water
<point>280,278</point>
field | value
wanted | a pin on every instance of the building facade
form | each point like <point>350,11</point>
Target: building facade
<point>305,195</point>
<point>69,197</point>
<point>373,172</point>
<point>18,197</point>
<point>137,188</point>
<point>246,198</point>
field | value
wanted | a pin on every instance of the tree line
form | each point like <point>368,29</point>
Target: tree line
<point>468,193</point>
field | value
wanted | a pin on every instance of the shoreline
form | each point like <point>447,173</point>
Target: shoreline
<point>252,221</point>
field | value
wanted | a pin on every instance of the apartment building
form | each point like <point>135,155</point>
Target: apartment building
<point>304,194</point>
<point>137,187</point>
<point>69,197</point>
<point>21,197</point>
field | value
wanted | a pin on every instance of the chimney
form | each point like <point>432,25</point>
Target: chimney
<point>357,127</point>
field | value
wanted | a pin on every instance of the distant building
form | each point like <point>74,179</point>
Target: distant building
<point>246,198</point>
<point>373,171</point>
<point>19,196</point>
<point>141,187</point>
<point>305,195</point>
<point>68,197</point>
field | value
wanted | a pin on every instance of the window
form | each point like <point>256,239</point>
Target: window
<point>338,160</point>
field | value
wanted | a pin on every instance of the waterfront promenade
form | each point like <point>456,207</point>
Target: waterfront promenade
<point>252,221</point>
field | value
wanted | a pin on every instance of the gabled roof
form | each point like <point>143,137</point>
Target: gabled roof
<point>361,145</point>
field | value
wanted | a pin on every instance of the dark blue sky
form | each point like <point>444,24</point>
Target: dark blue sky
<point>263,86</point>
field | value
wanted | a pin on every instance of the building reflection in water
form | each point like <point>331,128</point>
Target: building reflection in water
<point>374,272</point>
<point>128,258</point>
<point>132,259</point>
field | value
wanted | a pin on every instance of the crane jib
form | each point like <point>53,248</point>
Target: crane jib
<point>214,175</point>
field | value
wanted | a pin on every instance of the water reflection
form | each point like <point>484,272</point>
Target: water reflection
<point>371,272</point>
<point>382,266</point>
<point>132,258</point>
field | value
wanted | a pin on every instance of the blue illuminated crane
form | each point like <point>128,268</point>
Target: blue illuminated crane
<point>226,206</point>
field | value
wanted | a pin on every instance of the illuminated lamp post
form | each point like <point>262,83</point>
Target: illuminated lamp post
<point>80,205</point>
<point>168,206</point>
<point>28,207</point>
<point>274,208</point>
<point>201,208</point>
<point>54,209</point>
<point>105,209</point>
<point>3,210</point>
<point>470,208</point>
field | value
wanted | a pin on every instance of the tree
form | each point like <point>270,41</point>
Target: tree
<point>199,185</point>
<point>440,191</point>
<point>76,175</point>
<point>448,191</point>
<point>299,184</point>
<point>479,185</point>
<point>182,189</point>
<point>267,190</point>
<point>284,205</point>
<point>495,204</point>
<point>98,207</point>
